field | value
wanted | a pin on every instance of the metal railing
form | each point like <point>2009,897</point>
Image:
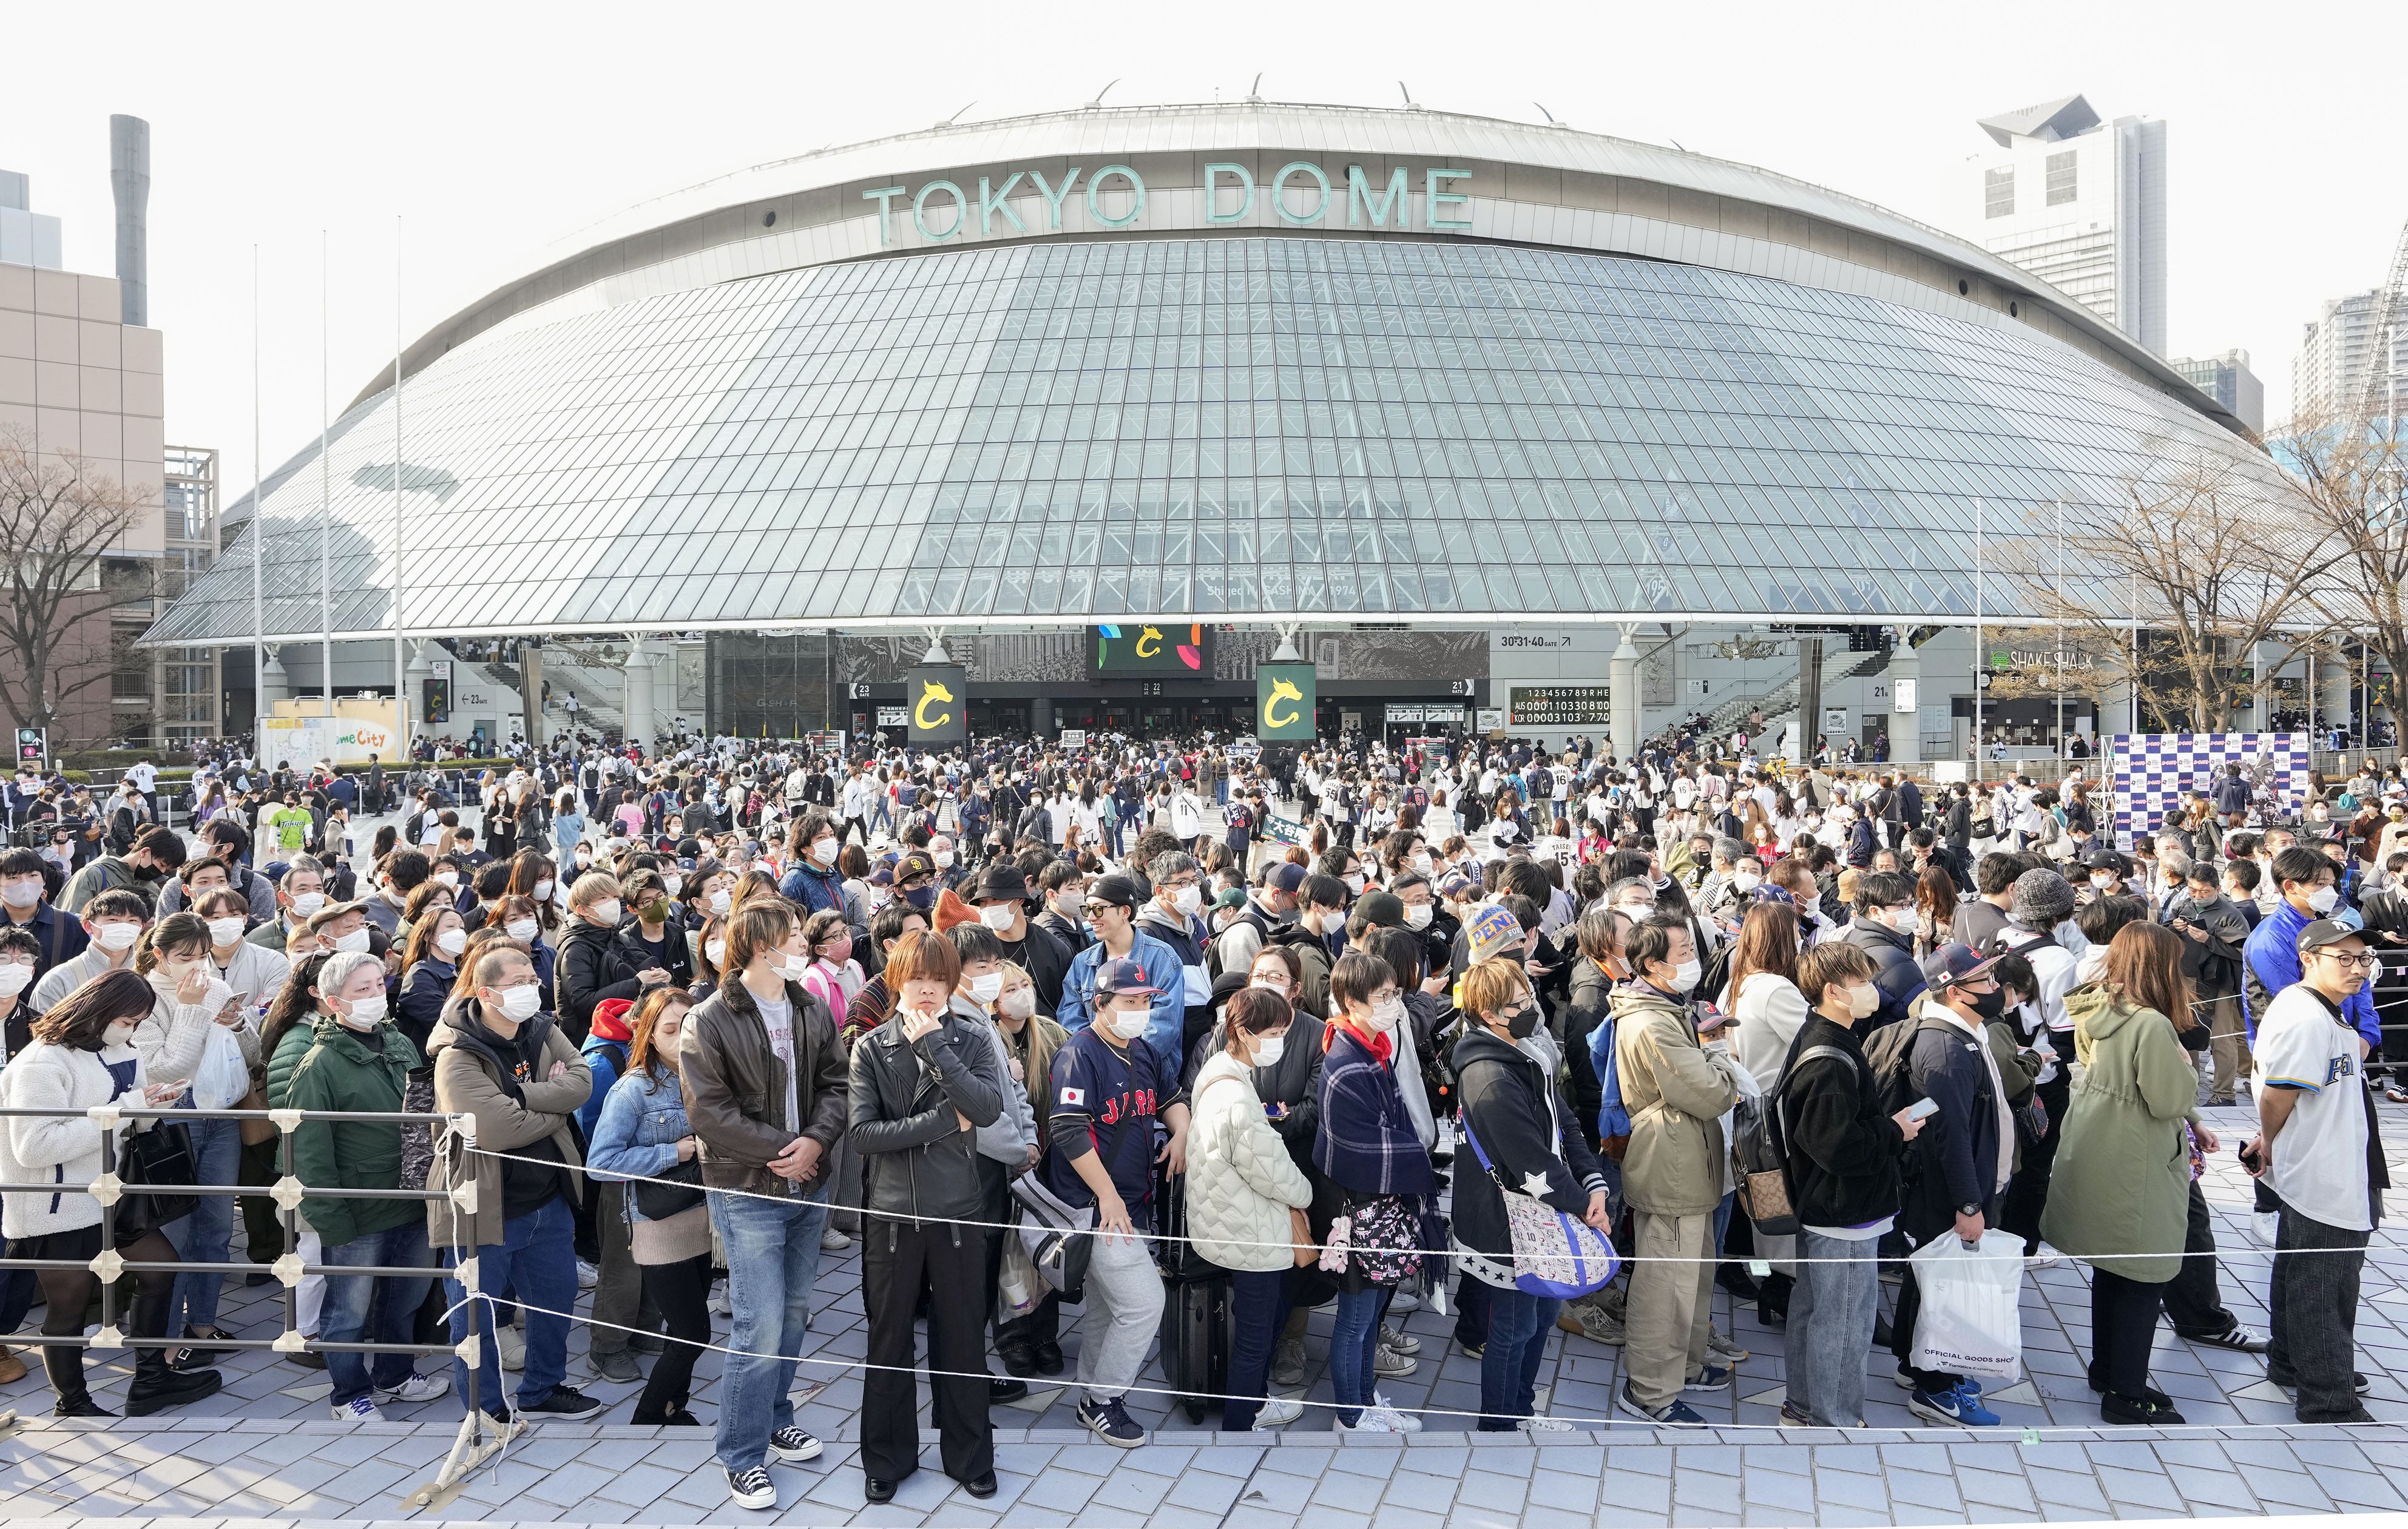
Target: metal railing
<point>481,1435</point>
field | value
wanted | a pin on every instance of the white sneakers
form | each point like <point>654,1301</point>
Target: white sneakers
<point>358,1409</point>
<point>833,1241</point>
<point>418,1388</point>
<point>1278,1412</point>
<point>512,1343</point>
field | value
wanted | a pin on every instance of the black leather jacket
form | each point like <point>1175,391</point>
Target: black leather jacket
<point>916,1159</point>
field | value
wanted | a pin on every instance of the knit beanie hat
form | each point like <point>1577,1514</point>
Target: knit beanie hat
<point>2042,900</point>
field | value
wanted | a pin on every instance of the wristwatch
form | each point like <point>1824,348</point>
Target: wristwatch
<point>1968,1210</point>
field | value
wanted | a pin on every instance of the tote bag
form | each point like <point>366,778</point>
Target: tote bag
<point>1969,1324</point>
<point>1555,1254</point>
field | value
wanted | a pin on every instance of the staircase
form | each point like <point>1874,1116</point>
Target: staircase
<point>596,689</point>
<point>1782,699</point>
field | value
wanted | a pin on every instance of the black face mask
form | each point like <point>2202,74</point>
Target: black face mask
<point>1989,1006</point>
<point>1523,1023</point>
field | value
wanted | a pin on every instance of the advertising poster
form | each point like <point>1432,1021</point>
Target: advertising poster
<point>1284,694</point>
<point>936,700</point>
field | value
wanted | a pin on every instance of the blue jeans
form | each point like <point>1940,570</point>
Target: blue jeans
<point>1518,1324</point>
<point>773,1260</point>
<point>534,1260</point>
<point>1353,1347</point>
<point>1257,1312</point>
<point>1831,1312</point>
<point>361,1309</point>
<point>202,1236</point>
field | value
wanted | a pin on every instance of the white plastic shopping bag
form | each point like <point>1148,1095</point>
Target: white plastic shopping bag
<point>1969,1324</point>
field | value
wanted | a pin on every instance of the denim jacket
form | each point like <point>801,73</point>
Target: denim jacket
<point>642,1121</point>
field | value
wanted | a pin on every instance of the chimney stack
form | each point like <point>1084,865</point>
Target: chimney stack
<point>129,177</point>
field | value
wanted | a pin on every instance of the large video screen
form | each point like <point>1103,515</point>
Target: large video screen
<point>1176,649</point>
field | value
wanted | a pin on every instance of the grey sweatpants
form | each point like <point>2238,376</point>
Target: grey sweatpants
<point>1123,1313</point>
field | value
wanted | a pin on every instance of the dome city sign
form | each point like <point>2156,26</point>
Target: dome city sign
<point>1301,193</point>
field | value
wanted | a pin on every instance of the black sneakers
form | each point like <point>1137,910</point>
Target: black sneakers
<point>790,1446</point>
<point>564,1402</point>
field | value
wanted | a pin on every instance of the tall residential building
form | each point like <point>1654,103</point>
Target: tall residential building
<point>2329,371</point>
<point>2080,204</point>
<point>2228,380</point>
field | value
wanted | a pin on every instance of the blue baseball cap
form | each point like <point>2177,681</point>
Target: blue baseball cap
<point>1123,977</point>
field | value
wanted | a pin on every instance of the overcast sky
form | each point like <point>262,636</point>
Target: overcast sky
<point>491,130</point>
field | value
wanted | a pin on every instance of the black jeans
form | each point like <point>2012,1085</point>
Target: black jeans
<point>902,1260</point>
<point>681,1290</point>
<point>2192,1299</point>
<point>2312,1298</point>
<point>2027,1191</point>
<point>2123,1322</point>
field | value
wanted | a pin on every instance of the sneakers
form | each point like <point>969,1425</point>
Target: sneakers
<point>1720,1347</point>
<point>1709,1376</point>
<point>1675,1413</point>
<point>833,1241</point>
<point>1278,1412</point>
<point>566,1402</point>
<point>2237,1338</point>
<point>418,1388</point>
<point>790,1446</point>
<point>720,1305</point>
<point>751,1489</point>
<point>617,1365</point>
<point>1288,1361</point>
<point>1963,1408</point>
<point>358,1409</point>
<point>1795,1416</point>
<point>1388,1361</point>
<point>1402,1342</point>
<point>1373,1421</point>
<point>1469,1350</point>
<point>1404,1422</point>
<point>1111,1421</point>
<point>587,1275</point>
<point>1404,1301</point>
<point>512,1343</point>
<point>1542,1425</point>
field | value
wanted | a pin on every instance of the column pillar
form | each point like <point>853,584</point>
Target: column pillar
<point>1905,727</point>
<point>274,685</point>
<point>1799,748</point>
<point>636,696</point>
<point>1622,679</point>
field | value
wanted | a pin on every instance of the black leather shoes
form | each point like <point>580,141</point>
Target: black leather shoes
<point>877,1489</point>
<point>982,1485</point>
<point>999,1391</point>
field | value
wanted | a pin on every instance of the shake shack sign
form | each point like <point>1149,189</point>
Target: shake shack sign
<point>1301,193</point>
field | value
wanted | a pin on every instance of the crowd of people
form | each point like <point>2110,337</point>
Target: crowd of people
<point>1254,1032</point>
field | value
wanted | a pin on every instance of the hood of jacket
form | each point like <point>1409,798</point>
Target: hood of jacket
<point>2099,1013</point>
<point>458,1027</point>
<point>1636,1000</point>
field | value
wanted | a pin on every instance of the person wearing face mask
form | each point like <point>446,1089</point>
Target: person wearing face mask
<point>834,978</point>
<point>1062,887</point>
<point>1029,1344</point>
<point>596,963</point>
<point>1272,903</point>
<point>19,959</point>
<point>1883,923</point>
<point>654,940</point>
<point>1113,903</point>
<point>352,1060</point>
<point>1965,1155</point>
<point>1846,1159</point>
<point>1174,916</point>
<point>243,966</point>
<point>1009,1146</point>
<point>25,899</point>
<point>82,1054</point>
<point>812,880</point>
<point>300,893</point>
<point>2038,930</point>
<point>1676,1093</point>
<point>923,1085</point>
<point>1246,1197</point>
<point>1530,1138</point>
<point>157,854</point>
<point>2271,962</point>
<point>112,923</point>
<point>1001,894</point>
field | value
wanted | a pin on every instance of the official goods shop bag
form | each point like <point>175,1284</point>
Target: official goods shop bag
<point>1556,1255</point>
<point>1970,1322</point>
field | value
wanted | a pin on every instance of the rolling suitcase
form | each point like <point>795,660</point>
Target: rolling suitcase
<point>1195,1313</point>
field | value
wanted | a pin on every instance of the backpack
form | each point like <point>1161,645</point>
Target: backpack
<point>1760,1153</point>
<point>1889,1052</point>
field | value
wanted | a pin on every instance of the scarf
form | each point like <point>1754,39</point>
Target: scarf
<point>1380,1045</point>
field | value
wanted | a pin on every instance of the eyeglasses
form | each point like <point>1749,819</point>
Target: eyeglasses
<point>2364,958</point>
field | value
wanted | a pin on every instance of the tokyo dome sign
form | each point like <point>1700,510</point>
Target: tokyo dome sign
<point>1300,194</point>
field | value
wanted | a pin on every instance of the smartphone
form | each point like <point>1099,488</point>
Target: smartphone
<point>1921,1108</point>
<point>2251,1158</point>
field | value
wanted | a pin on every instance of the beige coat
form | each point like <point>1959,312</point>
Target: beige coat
<point>467,1083</point>
<point>1677,1093</point>
<point>1240,1181</point>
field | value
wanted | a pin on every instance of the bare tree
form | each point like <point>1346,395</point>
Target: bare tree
<point>59,520</point>
<point>2212,563</point>
<point>2350,477</point>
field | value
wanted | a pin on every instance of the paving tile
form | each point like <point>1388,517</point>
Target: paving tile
<point>2139,1488</point>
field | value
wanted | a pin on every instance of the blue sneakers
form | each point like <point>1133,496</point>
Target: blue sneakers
<point>1675,1413</point>
<point>1962,1406</point>
<point>1709,1376</point>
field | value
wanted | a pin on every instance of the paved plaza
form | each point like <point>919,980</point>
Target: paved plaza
<point>263,1448</point>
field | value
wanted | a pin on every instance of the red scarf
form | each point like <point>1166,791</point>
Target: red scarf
<point>1379,1045</point>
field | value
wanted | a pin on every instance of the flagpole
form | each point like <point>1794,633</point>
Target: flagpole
<point>325,494</point>
<point>1981,660</point>
<point>400,654</point>
<point>258,537</point>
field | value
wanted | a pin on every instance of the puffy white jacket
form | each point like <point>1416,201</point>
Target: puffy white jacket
<point>56,1150</point>
<point>1240,1181</point>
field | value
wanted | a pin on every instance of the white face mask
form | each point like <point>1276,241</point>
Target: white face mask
<point>1685,974</point>
<point>1862,1000</point>
<point>22,892</point>
<point>225,931</point>
<point>1418,916</point>
<point>307,902</point>
<point>717,950</point>
<point>1904,920</point>
<point>673,885</point>
<point>1189,900</point>
<point>365,1013</point>
<point>790,967</point>
<point>1354,883</point>
<point>520,1002</point>
<point>945,859</point>
<point>452,941</point>
<point>823,851</point>
<point>1019,1004</point>
<point>1422,862</point>
<point>2324,900</point>
<point>1130,1023</point>
<point>116,936</point>
<point>447,879</point>
<point>1745,880</point>
<point>15,975</point>
<point>117,1033</point>
<point>722,900</point>
<point>998,917</point>
<point>1385,1015</point>
<point>986,989</point>
<point>356,941</point>
<point>1268,1049</point>
<point>607,911</point>
<point>521,930</point>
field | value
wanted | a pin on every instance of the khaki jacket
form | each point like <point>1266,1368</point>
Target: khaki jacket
<point>1676,1093</point>
<point>2122,1181</point>
<point>466,1083</point>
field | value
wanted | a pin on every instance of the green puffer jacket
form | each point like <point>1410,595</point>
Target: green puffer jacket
<point>2121,1188</point>
<point>291,1047</point>
<point>343,1069</point>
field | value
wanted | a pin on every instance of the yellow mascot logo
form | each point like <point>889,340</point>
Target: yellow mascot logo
<point>1282,689</point>
<point>931,693</point>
